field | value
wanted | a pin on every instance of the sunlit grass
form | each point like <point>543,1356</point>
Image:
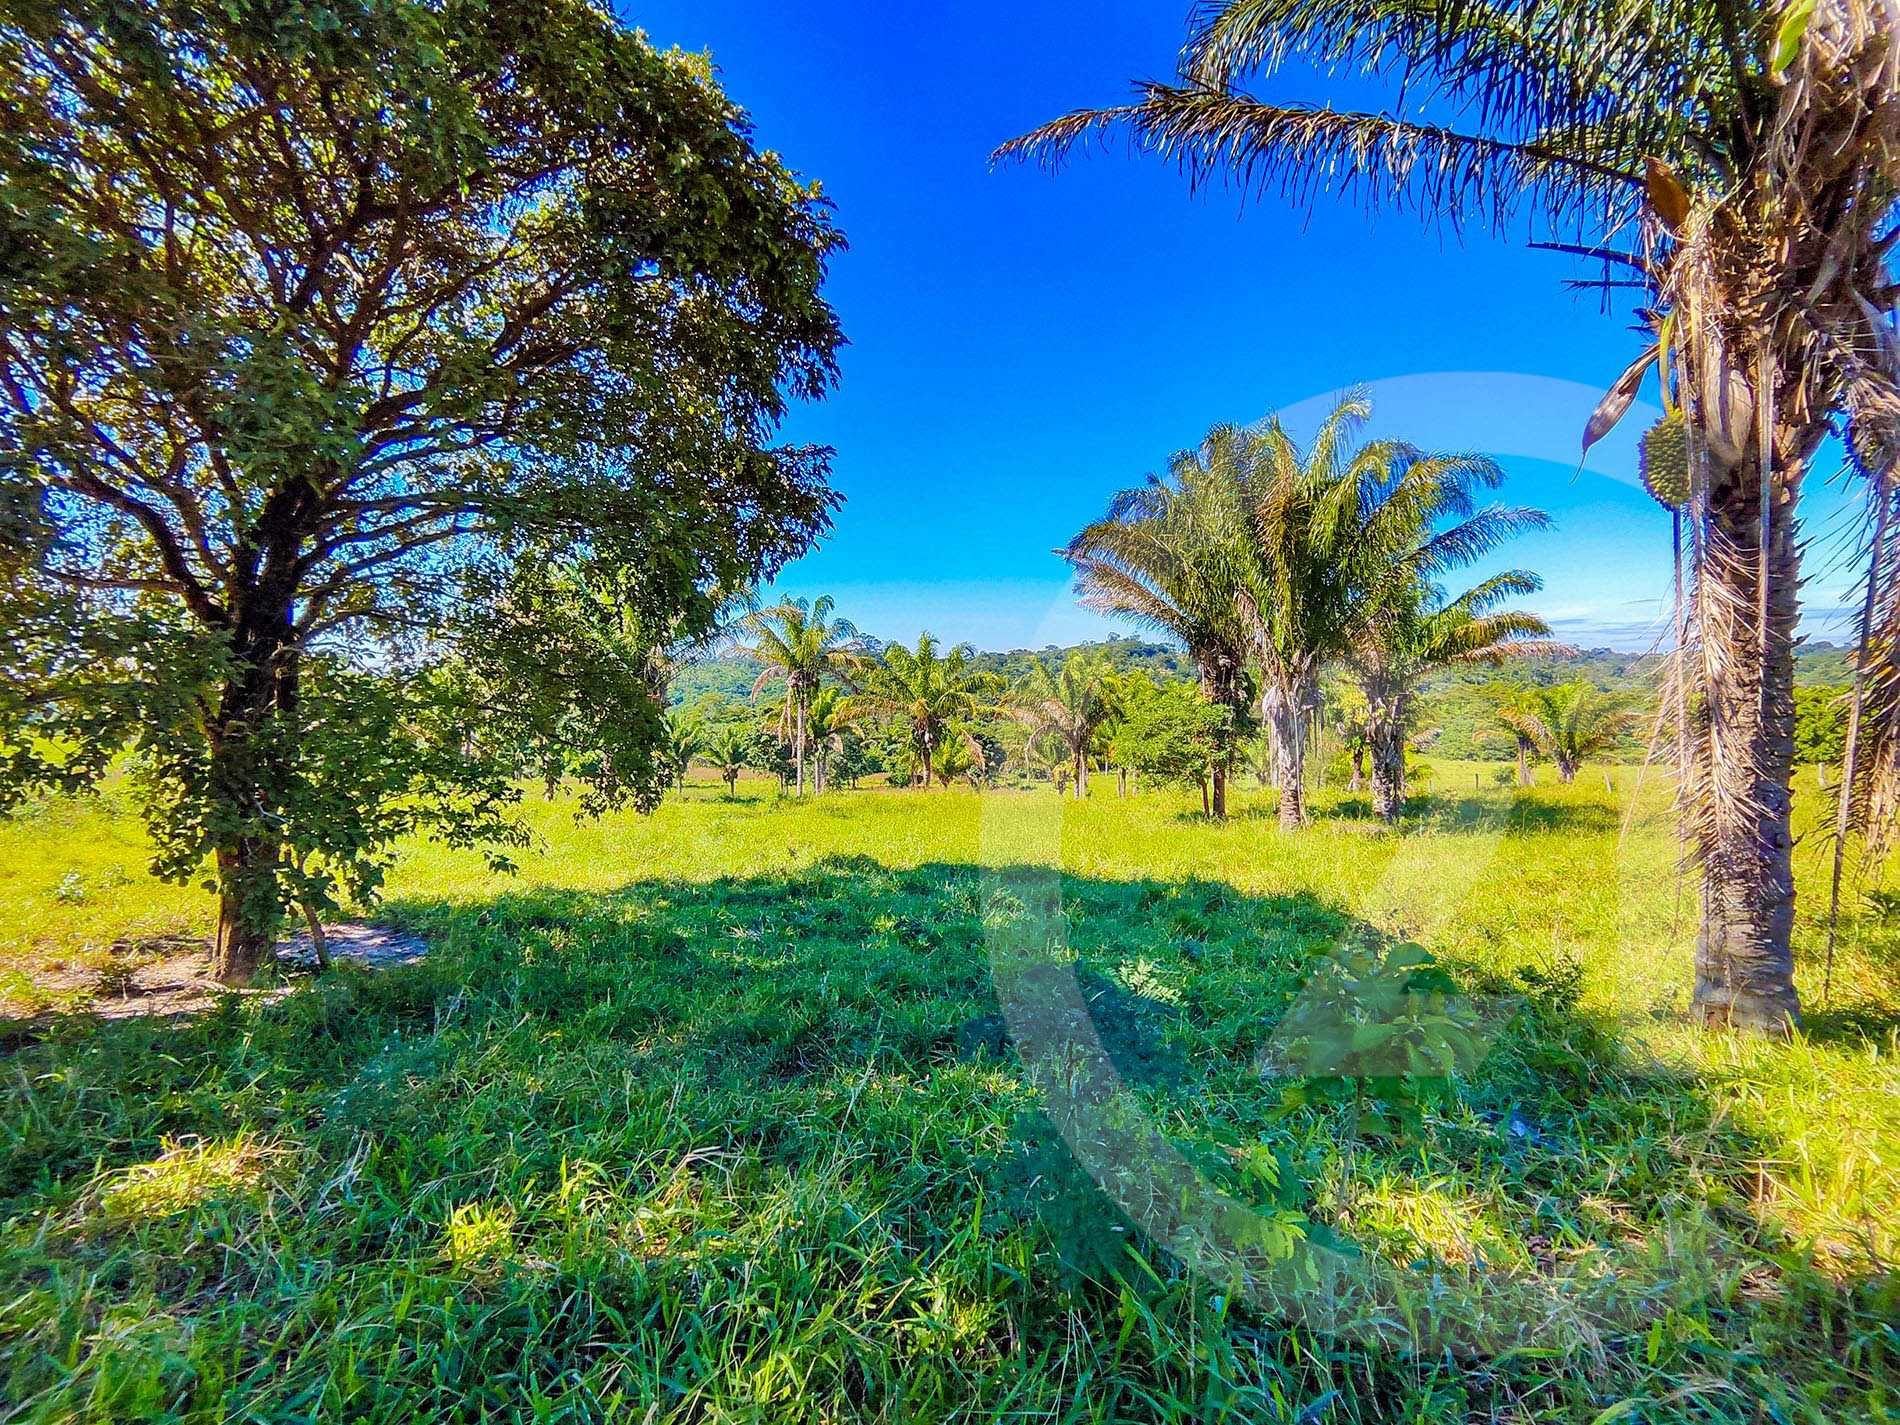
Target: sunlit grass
<point>712,1115</point>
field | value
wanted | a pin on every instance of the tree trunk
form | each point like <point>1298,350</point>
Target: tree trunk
<point>1523,760</point>
<point>1566,769</point>
<point>798,741</point>
<point>1284,710</point>
<point>1744,953</point>
<point>1218,776</point>
<point>1206,805</point>
<point>1386,739</point>
<point>1358,782</point>
<point>250,860</point>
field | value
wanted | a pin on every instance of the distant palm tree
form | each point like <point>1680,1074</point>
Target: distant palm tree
<point>933,696</point>
<point>1422,633</point>
<point>1752,152</point>
<point>1346,709</point>
<point>804,645</point>
<point>825,725</point>
<point>1072,707</point>
<point>1512,703</point>
<point>960,758</point>
<point>1570,723</point>
<point>685,736</point>
<point>728,753</point>
<point>1164,556</point>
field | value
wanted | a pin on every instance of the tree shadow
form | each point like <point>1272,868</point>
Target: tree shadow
<point>848,1012</point>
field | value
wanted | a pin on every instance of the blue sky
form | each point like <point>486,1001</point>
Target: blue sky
<point>1024,345</point>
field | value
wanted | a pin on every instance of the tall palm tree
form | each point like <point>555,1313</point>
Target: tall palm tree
<point>803,644</point>
<point>1570,723</point>
<point>1072,706</point>
<point>934,696</point>
<point>1752,153</point>
<point>1419,524</point>
<point>1333,533</point>
<point>1164,556</point>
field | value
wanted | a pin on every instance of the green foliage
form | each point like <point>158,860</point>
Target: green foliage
<point>361,314</point>
<point>1167,732</point>
<point>1820,724</point>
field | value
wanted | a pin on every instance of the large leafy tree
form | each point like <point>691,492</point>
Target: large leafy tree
<point>1750,155</point>
<point>1165,556</point>
<point>803,644</point>
<point>932,698</point>
<point>1073,706</point>
<point>308,314</point>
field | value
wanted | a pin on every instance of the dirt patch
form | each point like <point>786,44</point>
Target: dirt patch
<point>169,976</point>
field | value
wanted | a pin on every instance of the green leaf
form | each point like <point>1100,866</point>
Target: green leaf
<point>1794,28</point>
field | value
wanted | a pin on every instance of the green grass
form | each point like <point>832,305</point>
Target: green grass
<point>714,1115</point>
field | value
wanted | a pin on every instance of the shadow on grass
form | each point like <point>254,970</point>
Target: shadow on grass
<point>838,1028</point>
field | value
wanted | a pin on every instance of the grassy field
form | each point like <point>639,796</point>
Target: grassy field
<point>718,1114</point>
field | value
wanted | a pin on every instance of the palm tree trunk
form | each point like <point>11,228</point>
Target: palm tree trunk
<point>1284,709</point>
<point>798,742</point>
<point>1357,783</point>
<point>1219,779</point>
<point>1386,738</point>
<point>1523,760</point>
<point>1744,953</point>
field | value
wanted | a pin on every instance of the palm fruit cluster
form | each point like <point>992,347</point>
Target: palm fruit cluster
<point>1665,461</point>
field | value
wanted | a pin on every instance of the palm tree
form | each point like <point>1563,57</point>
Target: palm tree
<point>1420,523</point>
<point>1570,723</point>
<point>728,753</point>
<point>1423,632</point>
<point>1072,707</point>
<point>934,696</point>
<point>1164,556</point>
<point>1512,704</point>
<point>1754,153</point>
<point>961,758</point>
<point>803,644</point>
<point>1346,709</point>
<point>1331,532</point>
<point>825,725</point>
<point>685,737</point>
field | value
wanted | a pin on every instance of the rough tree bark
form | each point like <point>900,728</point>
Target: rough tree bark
<point>1523,760</point>
<point>1385,743</point>
<point>1284,710</point>
<point>1744,953</point>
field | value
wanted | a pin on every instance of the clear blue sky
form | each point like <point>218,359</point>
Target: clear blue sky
<point>1024,345</point>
